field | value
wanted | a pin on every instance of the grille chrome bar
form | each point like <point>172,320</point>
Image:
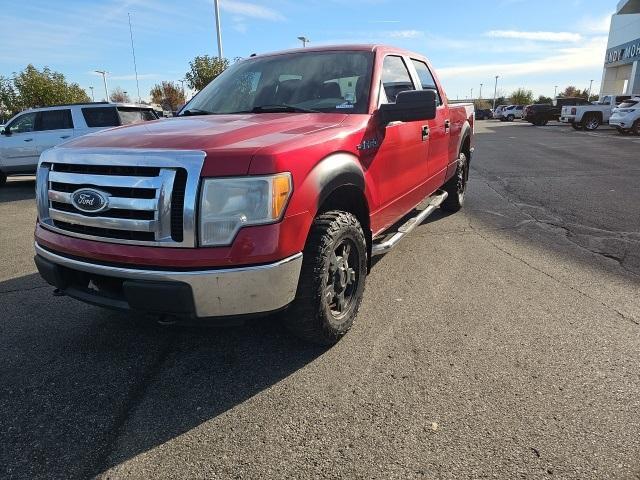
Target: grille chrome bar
<point>142,209</point>
<point>104,222</point>
<point>114,202</point>
<point>105,180</point>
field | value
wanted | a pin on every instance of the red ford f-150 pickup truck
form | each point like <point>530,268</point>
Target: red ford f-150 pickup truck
<point>271,191</point>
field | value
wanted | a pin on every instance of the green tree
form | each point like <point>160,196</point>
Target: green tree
<point>167,94</point>
<point>203,69</point>
<point>42,88</point>
<point>118,95</point>
<point>543,99</point>
<point>521,96</point>
<point>570,91</point>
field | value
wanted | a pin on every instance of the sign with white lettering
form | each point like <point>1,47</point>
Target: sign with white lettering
<point>626,53</point>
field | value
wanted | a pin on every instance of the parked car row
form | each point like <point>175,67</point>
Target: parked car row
<point>33,131</point>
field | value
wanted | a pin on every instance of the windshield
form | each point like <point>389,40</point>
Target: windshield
<point>313,81</point>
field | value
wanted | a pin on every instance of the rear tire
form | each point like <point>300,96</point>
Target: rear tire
<point>456,186</point>
<point>591,122</point>
<point>332,279</point>
<point>622,131</point>
<point>3,179</point>
<point>636,127</point>
<point>510,118</point>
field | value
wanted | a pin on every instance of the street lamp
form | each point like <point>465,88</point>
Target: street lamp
<point>590,85</point>
<point>304,41</point>
<point>184,97</point>
<point>104,79</point>
<point>555,91</point>
<point>93,98</point>
<point>495,92</point>
<point>218,32</point>
<point>480,96</point>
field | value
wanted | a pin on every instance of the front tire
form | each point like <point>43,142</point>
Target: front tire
<point>510,118</point>
<point>456,186</point>
<point>332,279</point>
<point>622,131</point>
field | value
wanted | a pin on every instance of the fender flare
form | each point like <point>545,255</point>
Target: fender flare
<point>335,171</point>
<point>465,133</point>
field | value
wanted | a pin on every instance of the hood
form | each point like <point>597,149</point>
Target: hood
<point>230,141</point>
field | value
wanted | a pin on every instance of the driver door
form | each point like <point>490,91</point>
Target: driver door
<point>18,149</point>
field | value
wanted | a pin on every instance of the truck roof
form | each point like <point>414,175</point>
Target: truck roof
<point>364,47</point>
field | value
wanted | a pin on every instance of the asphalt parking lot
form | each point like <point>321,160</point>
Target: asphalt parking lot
<point>499,342</point>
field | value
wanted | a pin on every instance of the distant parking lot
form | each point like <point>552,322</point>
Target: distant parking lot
<point>499,342</point>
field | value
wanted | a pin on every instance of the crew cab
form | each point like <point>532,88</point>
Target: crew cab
<point>31,132</point>
<point>591,116</point>
<point>270,192</point>
<point>626,117</point>
<point>540,114</point>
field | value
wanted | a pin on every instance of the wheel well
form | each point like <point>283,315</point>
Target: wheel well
<point>596,114</point>
<point>466,147</point>
<point>350,198</point>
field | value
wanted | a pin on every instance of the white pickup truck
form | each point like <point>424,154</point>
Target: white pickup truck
<point>590,117</point>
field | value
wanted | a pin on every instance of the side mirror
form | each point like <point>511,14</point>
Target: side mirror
<point>5,131</point>
<point>410,106</point>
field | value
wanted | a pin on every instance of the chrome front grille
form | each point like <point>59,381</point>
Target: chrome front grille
<point>151,194</point>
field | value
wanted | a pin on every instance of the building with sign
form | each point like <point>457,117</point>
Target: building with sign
<point>621,74</point>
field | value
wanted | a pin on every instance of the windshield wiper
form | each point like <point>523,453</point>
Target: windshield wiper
<point>195,111</point>
<point>282,107</point>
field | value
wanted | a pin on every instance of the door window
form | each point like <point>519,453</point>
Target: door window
<point>54,120</point>
<point>24,123</point>
<point>395,79</point>
<point>426,79</point>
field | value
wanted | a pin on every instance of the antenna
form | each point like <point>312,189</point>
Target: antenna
<point>133,52</point>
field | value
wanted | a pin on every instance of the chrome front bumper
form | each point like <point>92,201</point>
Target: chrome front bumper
<point>217,292</point>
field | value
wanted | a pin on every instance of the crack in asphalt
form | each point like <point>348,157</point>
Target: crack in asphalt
<point>24,289</point>
<point>628,238</point>
<point>133,399</point>
<point>567,235</point>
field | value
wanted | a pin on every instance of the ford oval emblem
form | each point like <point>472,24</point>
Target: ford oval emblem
<point>90,200</point>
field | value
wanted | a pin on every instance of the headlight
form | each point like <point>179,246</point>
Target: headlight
<point>228,204</point>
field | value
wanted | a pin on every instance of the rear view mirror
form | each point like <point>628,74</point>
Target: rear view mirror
<point>410,106</point>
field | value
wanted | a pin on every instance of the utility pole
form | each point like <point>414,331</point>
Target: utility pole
<point>495,92</point>
<point>480,96</point>
<point>183,94</point>
<point>304,41</point>
<point>472,94</point>
<point>589,94</point>
<point>555,91</point>
<point>104,79</point>
<point>133,52</point>
<point>93,98</point>
<point>218,31</point>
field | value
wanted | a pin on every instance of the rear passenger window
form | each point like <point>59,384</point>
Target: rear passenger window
<point>395,78</point>
<point>426,79</point>
<point>101,116</point>
<point>129,115</point>
<point>54,120</point>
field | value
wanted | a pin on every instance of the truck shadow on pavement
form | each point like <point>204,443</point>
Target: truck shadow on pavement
<point>84,389</point>
<point>19,188</point>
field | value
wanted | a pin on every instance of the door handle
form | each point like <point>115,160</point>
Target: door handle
<point>425,132</point>
<point>65,136</point>
<point>28,139</point>
<point>447,126</point>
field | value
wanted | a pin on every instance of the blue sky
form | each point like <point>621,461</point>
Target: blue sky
<point>531,44</point>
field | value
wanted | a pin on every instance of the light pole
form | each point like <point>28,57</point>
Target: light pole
<point>184,97</point>
<point>472,94</point>
<point>480,96</point>
<point>495,92</point>
<point>133,52</point>
<point>124,96</point>
<point>218,32</point>
<point>104,79</point>
<point>589,94</point>
<point>93,98</point>
<point>555,91</point>
<point>304,41</point>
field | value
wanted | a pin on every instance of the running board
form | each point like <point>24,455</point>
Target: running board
<point>434,202</point>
